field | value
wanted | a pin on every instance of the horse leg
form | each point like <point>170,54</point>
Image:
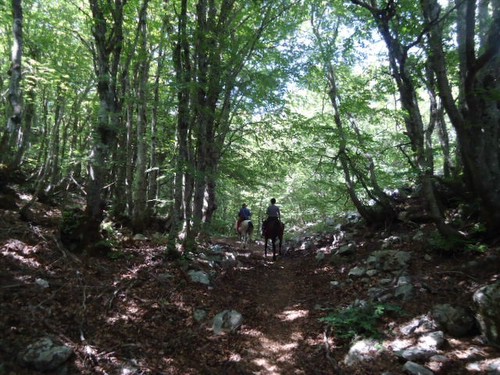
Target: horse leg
<point>265,248</point>
<point>274,248</point>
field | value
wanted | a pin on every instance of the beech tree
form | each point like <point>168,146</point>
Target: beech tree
<point>474,112</point>
<point>12,137</point>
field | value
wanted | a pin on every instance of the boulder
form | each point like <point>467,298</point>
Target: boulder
<point>457,321</point>
<point>227,321</point>
<point>44,355</point>
<point>487,300</point>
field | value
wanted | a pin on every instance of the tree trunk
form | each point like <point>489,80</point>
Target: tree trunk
<point>398,57</point>
<point>10,137</point>
<point>108,46</point>
<point>182,64</point>
<point>140,212</point>
<point>476,116</point>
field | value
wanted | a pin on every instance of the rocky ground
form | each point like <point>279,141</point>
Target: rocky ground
<point>135,313</point>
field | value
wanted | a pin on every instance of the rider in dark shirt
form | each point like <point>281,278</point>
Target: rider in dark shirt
<point>273,213</point>
<point>243,214</point>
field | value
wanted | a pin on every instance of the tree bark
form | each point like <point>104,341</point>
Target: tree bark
<point>108,41</point>
<point>9,141</point>
<point>475,114</point>
<point>140,212</point>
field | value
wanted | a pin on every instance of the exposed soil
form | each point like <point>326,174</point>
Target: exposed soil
<point>134,314</point>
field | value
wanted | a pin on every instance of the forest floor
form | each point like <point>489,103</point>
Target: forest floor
<point>133,313</point>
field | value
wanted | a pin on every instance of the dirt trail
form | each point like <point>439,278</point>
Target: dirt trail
<point>281,302</point>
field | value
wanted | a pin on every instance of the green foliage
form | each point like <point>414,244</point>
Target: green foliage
<point>451,245</point>
<point>360,320</point>
<point>116,254</point>
<point>476,247</point>
<point>445,245</point>
<point>71,221</point>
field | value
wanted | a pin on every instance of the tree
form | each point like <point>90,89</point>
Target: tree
<point>474,112</point>
<point>389,22</point>
<point>12,136</point>
<point>108,39</point>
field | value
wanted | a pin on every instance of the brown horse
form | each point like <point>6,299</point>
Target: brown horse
<point>273,229</point>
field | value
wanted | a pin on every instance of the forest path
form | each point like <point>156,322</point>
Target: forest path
<point>281,302</point>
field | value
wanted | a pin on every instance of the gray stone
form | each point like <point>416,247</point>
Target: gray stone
<point>405,292</point>
<point>357,272</point>
<point>348,249</point>
<point>140,237</point>
<point>487,300</point>
<point>320,256</point>
<point>416,354</point>
<point>227,321</point>
<point>457,321</point>
<point>199,315</point>
<point>416,369</point>
<point>199,277</point>
<point>432,340</point>
<point>389,260</point>
<point>42,283</point>
<point>420,324</point>
<point>217,249</point>
<point>371,273</point>
<point>390,241</point>
<point>45,355</point>
<point>363,351</point>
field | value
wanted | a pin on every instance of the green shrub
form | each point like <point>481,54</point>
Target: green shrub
<point>356,321</point>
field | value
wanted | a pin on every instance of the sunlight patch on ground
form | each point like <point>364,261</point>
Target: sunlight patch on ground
<point>290,315</point>
<point>270,369</point>
<point>272,352</point>
<point>134,312</point>
<point>465,352</point>
<point>253,333</point>
<point>20,252</point>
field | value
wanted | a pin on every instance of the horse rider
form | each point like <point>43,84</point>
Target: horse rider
<point>273,213</point>
<point>244,214</point>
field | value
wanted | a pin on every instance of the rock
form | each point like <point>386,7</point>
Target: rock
<point>320,256</point>
<point>371,273</point>
<point>416,369</point>
<point>389,260</point>
<point>140,237</point>
<point>42,283</point>
<point>44,355</point>
<point>419,236</point>
<point>487,300</point>
<point>199,315</point>
<point>348,249</point>
<point>363,351</point>
<point>416,354</point>
<point>432,340</point>
<point>455,320</point>
<point>390,241</point>
<point>405,292</point>
<point>335,284</point>
<point>229,261</point>
<point>199,277</point>
<point>227,321</point>
<point>357,272</point>
<point>217,249</point>
<point>420,324</point>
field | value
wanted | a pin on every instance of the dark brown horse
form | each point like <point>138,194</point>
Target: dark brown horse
<point>273,229</point>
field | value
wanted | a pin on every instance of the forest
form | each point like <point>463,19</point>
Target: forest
<point>166,116</point>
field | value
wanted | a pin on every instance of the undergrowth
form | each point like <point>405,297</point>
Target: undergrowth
<point>359,320</point>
